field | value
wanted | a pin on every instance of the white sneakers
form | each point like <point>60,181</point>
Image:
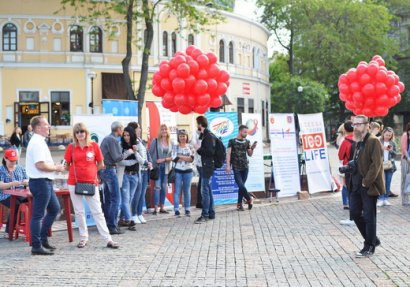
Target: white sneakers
<point>381,203</point>
<point>142,219</point>
<point>346,222</point>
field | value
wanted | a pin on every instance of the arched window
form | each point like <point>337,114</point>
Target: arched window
<point>221,51</point>
<point>9,37</point>
<point>191,40</point>
<point>76,38</point>
<point>95,40</point>
<point>231,61</point>
<point>174,43</point>
<point>165,44</point>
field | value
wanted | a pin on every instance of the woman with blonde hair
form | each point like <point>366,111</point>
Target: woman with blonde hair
<point>389,165</point>
<point>16,139</point>
<point>161,154</point>
<point>83,160</point>
<point>405,164</point>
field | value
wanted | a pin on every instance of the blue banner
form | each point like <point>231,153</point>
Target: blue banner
<point>120,108</point>
<point>224,126</point>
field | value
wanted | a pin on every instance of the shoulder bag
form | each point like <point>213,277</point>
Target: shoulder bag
<point>154,172</point>
<point>171,174</point>
<point>87,189</point>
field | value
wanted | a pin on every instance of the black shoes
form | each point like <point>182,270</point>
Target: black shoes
<point>47,245</point>
<point>116,231</point>
<point>367,251</point>
<point>177,213</point>
<point>163,211</point>
<point>40,251</point>
<point>188,213</point>
<point>391,194</point>
<point>201,220</point>
<point>112,245</point>
<point>240,208</point>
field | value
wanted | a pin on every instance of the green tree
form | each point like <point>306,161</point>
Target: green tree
<point>278,68</point>
<point>327,37</point>
<point>298,95</point>
<point>192,15</point>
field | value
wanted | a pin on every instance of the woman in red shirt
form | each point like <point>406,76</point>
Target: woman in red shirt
<point>84,159</point>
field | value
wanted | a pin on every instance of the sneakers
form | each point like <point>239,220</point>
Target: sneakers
<point>387,203</point>
<point>367,251</point>
<point>177,213</point>
<point>391,194</point>
<point>250,203</point>
<point>142,219</point>
<point>187,213</point>
<point>380,203</point>
<point>201,220</point>
<point>346,222</point>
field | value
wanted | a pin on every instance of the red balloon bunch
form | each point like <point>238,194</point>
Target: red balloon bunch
<point>190,81</point>
<point>370,89</point>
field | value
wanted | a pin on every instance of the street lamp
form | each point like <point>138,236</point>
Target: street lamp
<point>92,75</point>
<point>300,90</point>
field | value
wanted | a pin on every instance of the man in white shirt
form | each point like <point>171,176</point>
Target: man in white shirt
<point>41,169</point>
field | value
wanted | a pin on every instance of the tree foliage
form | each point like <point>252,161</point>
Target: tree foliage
<point>192,15</point>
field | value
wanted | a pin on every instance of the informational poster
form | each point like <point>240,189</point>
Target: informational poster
<point>224,126</point>
<point>284,151</point>
<point>123,108</point>
<point>98,125</point>
<point>312,131</point>
<point>256,175</point>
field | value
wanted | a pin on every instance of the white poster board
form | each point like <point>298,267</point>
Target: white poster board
<point>284,153</point>
<point>98,125</point>
<point>312,131</point>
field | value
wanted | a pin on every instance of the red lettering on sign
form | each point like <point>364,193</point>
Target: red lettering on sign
<point>313,141</point>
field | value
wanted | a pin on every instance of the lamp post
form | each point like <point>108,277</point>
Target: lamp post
<point>300,90</point>
<point>92,76</point>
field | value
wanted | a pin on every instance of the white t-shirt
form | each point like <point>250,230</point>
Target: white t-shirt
<point>386,152</point>
<point>37,150</point>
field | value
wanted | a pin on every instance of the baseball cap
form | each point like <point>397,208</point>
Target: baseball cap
<point>11,154</point>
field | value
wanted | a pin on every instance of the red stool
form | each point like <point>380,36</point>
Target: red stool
<point>22,223</point>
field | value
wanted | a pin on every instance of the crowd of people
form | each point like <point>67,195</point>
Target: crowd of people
<point>123,164</point>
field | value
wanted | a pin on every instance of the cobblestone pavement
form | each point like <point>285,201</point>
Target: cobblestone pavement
<point>293,243</point>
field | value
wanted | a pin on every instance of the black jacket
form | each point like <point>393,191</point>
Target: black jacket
<point>206,151</point>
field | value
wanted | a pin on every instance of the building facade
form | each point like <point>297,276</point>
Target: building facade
<point>56,65</point>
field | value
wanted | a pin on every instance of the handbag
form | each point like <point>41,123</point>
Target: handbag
<point>82,188</point>
<point>387,165</point>
<point>406,189</point>
<point>154,172</point>
<point>171,174</point>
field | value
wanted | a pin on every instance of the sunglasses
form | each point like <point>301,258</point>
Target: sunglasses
<point>80,132</point>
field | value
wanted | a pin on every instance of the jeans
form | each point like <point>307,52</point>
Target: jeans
<point>240,177</point>
<point>345,195</point>
<point>129,189</point>
<point>111,196</point>
<point>138,201</point>
<point>6,203</point>
<point>161,186</point>
<point>208,209</point>
<point>44,201</point>
<point>363,212</point>
<point>388,175</point>
<point>183,182</point>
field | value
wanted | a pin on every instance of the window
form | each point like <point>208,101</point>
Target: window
<point>191,40</point>
<point>76,38</point>
<point>174,43</point>
<point>254,58</point>
<point>165,44</point>
<point>240,108</point>
<point>221,51</point>
<point>60,108</point>
<point>29,96</point>
<point>95,40</point>
<point>251,107</point>
<point>231,53</point>
<point>9,37</point>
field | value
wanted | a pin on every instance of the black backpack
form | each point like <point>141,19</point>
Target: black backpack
<point>220,152</point>
<point>352,148</point>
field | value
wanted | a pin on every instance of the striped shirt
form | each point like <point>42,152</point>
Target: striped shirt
<point>19,174</point>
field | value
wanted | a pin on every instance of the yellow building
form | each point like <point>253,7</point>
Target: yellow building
<point>56,65</point>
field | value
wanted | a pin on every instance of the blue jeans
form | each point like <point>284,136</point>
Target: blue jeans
<point>111,195</point>
<point>208,209</point>
<point>240,177</point>
<point>138,201</point>
<point>183,182</point>
<point>44,199</point>
<point>128,190</point>
<point>388,175</point>
<point>345,195</point>
<point>161,186</point>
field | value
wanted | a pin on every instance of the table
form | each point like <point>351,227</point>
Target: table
<point>64,193</point>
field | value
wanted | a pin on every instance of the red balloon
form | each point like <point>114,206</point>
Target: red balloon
<point>393,91</point>
<point>343,88</point>
<point>179,85</point>
<point>179,53</point>
<point>390,80</point>
<point>355,87</point>
<point>172,75</point>
<point>173,109</point>
<point>201,86</point>
<point>191,100</point>
<point>367,112</point>
<point>381,111</point>
<point>223,76</point>
<point>165,104</point>
<point>222,88</point>
<point>168,97</point>
<point>401,87</point>
<point>343,79</point>
<point>195,53</point>
<point>361,69</point>
<point>350,106</point>
<point>203,61</point>
<point>213,71</point>
<point>203,100</point>
<point>200,109</point>
<point>212,85</point>
<point>179,60</point>
<point>194,66</point>
<point>380,61</point>
<point>202,74</point>
<point>164,70</point>
<point>381,88</point>
<point>351,75</point>
<point>157,91</point>
<point>372,69</point>
<point>156,79</point>
<point>189,83</point>
<point>342,97</point>
<point>184,109</point>
<point>381,76</point>
<point>357,97</point>
<point>212,58</point>
<point>179,99</point>
<point>383,100</point>
<point>365,79</point>
<point>396,79</point>
<point>398,98</point>
<point>189,49</point>
<point>166,84</point>
<point>368,90</point>
<point>369,102</point>
<point>173,63</point>
<point>183,70</point>
<point>216,102</point>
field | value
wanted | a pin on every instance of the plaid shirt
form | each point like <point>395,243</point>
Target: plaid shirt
<point>5,176</point>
